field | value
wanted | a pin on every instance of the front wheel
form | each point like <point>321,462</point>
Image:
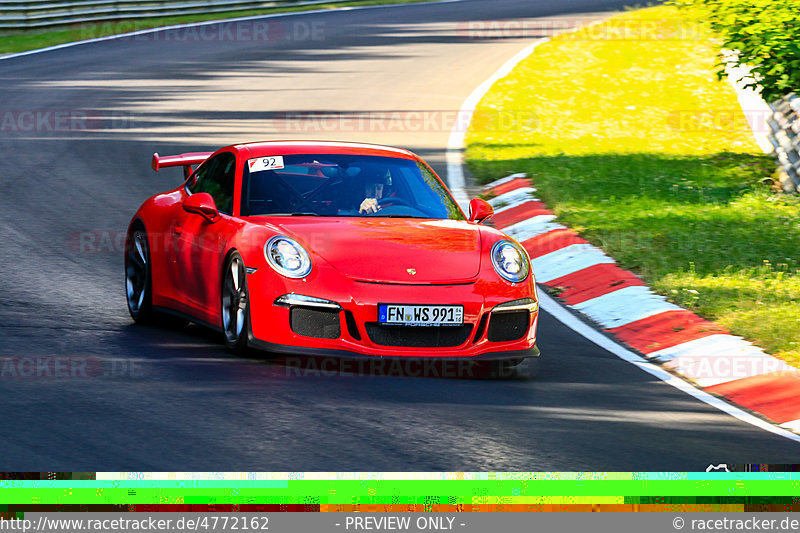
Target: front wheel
<point>138,283</point>
<point>234,306</point>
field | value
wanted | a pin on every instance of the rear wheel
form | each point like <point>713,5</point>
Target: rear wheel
<point>138,282</point>
<point>234,306</point>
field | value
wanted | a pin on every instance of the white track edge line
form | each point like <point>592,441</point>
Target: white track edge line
<point>455,144</point>
<point>578,326</point>
<point>210,22</point>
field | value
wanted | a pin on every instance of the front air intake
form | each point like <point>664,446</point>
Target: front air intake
<point>418,336</point>
<point>317,323</point>
<point>508,326</point>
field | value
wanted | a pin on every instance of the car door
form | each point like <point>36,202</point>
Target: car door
<point>200,243</point>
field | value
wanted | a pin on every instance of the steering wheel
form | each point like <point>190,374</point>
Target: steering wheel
<point>393,200</point>
<point>307,200</point>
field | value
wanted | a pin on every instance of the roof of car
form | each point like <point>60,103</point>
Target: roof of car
<point>268,148</point>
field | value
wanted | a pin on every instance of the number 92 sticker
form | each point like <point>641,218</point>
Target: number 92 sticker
<point>265,163</point>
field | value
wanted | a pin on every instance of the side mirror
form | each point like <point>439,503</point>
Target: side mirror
<point>202,204</point>
<point>479,210</point>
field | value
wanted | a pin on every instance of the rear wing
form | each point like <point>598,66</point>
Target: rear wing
<point>183,160</point>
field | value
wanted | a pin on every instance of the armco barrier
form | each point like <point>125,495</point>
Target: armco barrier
<point>785,138</point>
<point>21,14</point>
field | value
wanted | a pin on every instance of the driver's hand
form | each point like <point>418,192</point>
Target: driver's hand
<point>369,205</point>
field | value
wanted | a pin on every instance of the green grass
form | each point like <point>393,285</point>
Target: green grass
<point>12,41</point>
<point>631,140</point>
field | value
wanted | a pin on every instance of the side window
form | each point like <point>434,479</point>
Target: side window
<point>216,177</point>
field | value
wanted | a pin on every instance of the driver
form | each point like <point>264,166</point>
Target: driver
<point>373,192</point>
<point>374,189</point>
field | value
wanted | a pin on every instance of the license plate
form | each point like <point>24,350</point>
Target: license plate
<point>420,315</point>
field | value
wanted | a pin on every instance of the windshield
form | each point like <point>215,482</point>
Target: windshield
<point>344,185</point>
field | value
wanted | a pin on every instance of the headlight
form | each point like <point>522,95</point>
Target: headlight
<point>510,261</point>
<point>287,257</point>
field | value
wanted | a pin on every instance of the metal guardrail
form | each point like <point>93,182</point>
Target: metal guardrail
<point>22,14</point>
<point>785,138</point>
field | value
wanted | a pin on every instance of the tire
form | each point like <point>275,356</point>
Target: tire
<point>235,304</point>
<point>138,279</point>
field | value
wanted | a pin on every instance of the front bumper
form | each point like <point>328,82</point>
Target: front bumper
<point>359,335</point>
<point>282,349</point>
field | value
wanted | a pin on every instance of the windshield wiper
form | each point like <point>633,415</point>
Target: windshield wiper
<point>291,215</point>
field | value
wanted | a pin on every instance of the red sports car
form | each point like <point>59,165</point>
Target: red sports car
<point>330,248</point>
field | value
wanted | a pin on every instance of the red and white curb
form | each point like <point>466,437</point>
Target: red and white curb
<point>590,282</point>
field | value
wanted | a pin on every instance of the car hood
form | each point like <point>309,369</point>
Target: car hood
<point>394,250</point>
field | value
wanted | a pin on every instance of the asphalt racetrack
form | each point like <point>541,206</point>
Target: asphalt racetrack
<point>157,399</point>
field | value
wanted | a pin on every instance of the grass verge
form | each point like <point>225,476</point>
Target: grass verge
<point>631,140</point>
<point>12,41</point>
